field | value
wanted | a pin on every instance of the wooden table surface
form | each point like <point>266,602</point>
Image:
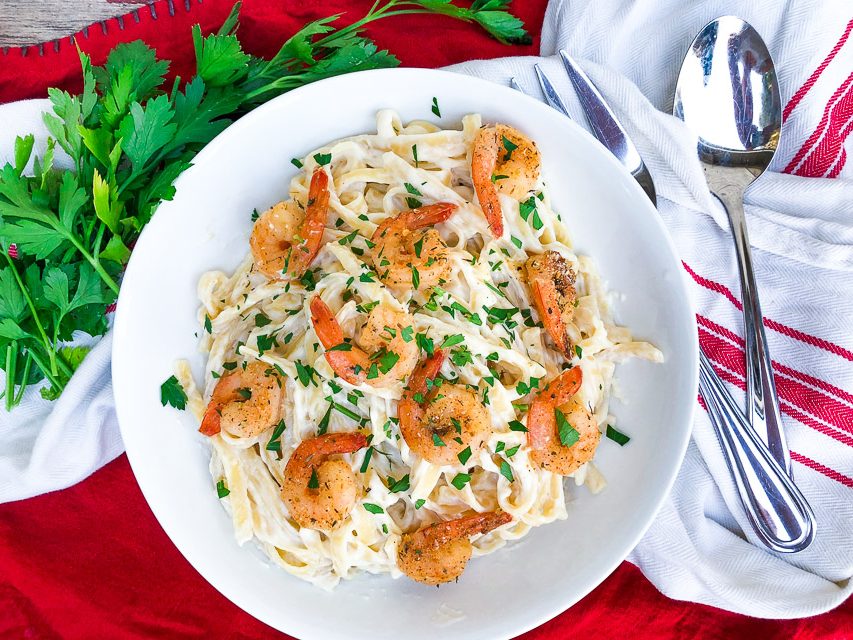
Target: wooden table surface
<point>34,21</point>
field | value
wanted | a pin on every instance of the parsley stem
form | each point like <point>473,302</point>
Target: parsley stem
<point>11,358</point>
<point>95,263</point>
<point>24,378</point>
<point>46,371</point>
<point>47,345</point>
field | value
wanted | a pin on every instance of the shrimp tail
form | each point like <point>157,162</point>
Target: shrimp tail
<point>427,370</point>
<point>332,443</point>
<point>429,215</point>
<point>444,532</point>
<point>483,163</point>
<point>541,421</point>
<point>210,424</point>
<point>325,323</point>
<point>545,300</point>
<point>313,226</point>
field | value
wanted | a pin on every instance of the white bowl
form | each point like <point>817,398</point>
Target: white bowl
<point>207,226</point>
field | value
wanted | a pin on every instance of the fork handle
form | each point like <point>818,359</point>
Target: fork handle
<point>762,402</point>
<point>777,511</point>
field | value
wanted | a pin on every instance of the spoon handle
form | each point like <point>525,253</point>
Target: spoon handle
<point>762,403</point>
<point>778,512</point>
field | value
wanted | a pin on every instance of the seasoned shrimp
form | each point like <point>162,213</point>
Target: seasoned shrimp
<point>401,250</point>
<point>543,431</point>
<point>387,335</point>
<point>320,493</point>
<point>440,423</point>
<point>285,239</point>
<point>244,403</point>
<point>552,282</point>
<point>438,553</point>
<point>505,161</point>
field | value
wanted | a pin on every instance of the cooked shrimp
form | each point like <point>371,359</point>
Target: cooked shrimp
<point>402,250</point>
<point>320,493</point>
<point>245,402</point>
<point>438,553</point>
<point>439,422</point>
<point>552,282</point>
<point>285,239</point>
<point>387,335</point>
<point>543,433</point>
<point>505,161</point>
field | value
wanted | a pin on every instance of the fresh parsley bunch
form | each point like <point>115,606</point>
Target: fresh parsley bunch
<point>66,235</point>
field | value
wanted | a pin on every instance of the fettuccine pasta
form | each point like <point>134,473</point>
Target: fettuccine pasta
<point>300,346</point>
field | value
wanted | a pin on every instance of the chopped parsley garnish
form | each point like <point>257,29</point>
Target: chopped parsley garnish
<point>221,489</point>
<point>349,413</point>
<point>207,326</point>
<point>261,320</point>
<point>172,393</point>
<point>462,356</point>
<point>464,455</point>
<point>396,486</point>
<point>510,146</point>
<point>500,446</point>
<point>495,178</point>
<point>425,344</point>
<point>506,471</point>
<point>322,158</point>
<point>313,481</point>
<point>460,480</point>
<point>579,351</point>
<point>245,393</point>
<point>419,244</point>
<point>437,441</point>
<point>617,436</point>
<point>528,207</point>
<point>373,508</point>
<point>387,361</point>
<point>511,452</point>
<point>516,241</point>
<point>523,388</point>
<point>385,528</point>
<point>413,203</point>
<point>296,162</point>
<point>305,373</point>
<point>415,154</point>
<point>407,333</point>
<point>265,343</point>
<point>515,425</point>
<point>323,425</point>
<point>275,439</point>
<point>416,278</point>
<point>435,108</point>
<point>343,346</point>
<point>366,462</point>
<point>568,434</point>
<point>419,503</point>
<point>493,356</point>
<point>455,339</point>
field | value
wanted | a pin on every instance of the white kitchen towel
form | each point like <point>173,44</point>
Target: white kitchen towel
<point>801,227</point>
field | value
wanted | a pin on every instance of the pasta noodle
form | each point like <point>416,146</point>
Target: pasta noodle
<point>503,354</point>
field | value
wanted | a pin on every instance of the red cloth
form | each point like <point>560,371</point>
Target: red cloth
<point>92,562</point>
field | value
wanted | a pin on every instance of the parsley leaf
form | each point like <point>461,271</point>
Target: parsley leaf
<point>617,436</point>
<point>568,434</point>
<point>172,393</point>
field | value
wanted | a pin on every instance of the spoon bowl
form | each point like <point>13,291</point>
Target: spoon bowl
<point>728,95</point>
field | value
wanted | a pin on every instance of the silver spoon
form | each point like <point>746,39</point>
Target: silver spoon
<point>728,95</point>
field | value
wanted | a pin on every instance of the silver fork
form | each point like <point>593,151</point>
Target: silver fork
<point>777,511</point>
